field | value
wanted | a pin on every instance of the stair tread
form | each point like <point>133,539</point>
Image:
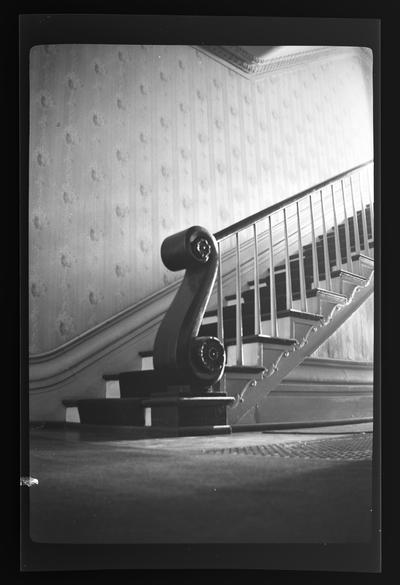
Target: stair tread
<point>133,374</point>
<point>266,339</point>
<point>310,292</point>
<point>363,256</point>
<point>267,315</point>
<point>144,353</point>
<point>244,369</point>
<point>341,271</point>
<point>313,292</point>
<point>187,400</point>
<point>247,369</point>
<point>79,401</point>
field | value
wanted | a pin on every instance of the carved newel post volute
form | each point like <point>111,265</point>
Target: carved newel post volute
<point>180,357</point>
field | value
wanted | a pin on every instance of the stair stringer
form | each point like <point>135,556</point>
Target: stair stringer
<point>250,390</point>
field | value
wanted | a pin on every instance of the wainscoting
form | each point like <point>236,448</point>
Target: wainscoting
<point>321,389</point>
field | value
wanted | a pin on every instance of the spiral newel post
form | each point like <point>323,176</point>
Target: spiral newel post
<point>189,365</point>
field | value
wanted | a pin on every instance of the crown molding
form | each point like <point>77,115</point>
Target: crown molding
<point>251,66</point>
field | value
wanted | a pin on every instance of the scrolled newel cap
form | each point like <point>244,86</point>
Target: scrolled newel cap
<point>208,358</point>
<point>188,248</point>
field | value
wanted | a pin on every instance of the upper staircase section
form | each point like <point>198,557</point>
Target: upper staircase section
<point>300,257</point>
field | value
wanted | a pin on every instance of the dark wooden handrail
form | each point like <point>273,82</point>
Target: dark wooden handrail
<point>249,221</point>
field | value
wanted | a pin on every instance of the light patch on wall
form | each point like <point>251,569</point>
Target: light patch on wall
<point>39,220</point>
<point>71,136</point>
<point>41,156</point>
<point>96,175</point>
<point>95,235</point>
<point>69,197</point>
<point>65,325</point>
<point>99,67</point>
<point>122,57</point>
<point>50,49</point>
<point>145,246</point>
<point>94,296</point>
<point>187,202</point>
<point>38,288</point>
<point>45,99</point>
<point>120,103</point>
<point>121,270</point>
<point>98,119</point>
<point>121,155</point>
<point>73,82</point>
<point>121,211</point>
<point>67,259</point>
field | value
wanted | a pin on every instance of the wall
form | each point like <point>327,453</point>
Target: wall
<point>129,144</point>
<point>354,340</point>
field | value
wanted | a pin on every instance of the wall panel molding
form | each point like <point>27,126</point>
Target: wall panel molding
<point>315,371</point>
<point>51,368</point>
<point>252,66</point>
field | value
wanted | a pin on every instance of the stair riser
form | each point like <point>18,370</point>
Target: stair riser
<point>113,389</point>
<point>72,415</point>
<point>147,363</point>
<point>321,305</point>
<point>344,286</point>
<point>186,417</point>
<point>256,354</point>
<point>363,267</point>
<point>112,413</point>
<point>287,327</point>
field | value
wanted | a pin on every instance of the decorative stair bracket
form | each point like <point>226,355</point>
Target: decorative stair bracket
<point>189,365</point>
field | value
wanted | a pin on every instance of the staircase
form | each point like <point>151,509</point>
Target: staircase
<point>288,277</point>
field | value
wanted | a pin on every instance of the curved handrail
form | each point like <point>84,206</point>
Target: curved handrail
<point>249,221</point>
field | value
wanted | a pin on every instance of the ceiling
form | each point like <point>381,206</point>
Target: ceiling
<point>254,59</point>
<point>265,53</point>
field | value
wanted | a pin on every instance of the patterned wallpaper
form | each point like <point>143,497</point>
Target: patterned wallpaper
<point>129,144</point>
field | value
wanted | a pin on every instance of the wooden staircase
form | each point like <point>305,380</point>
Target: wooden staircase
<point>268,323</point>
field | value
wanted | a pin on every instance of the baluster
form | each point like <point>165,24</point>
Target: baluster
<point>371,202</point>
<point>274,325</point>
<point>338,251</point>
<point>314,247</point>
<point>355,221</point>
<point>257,313</point>
<point>289,302</point>
<point>364,220</point>
<point>347,232</point>
<point>326,250</point>
<point>239,327</point>
<point>220,307</point>
<point>303,300</point>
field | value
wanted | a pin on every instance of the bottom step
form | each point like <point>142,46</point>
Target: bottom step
<point>131,433</point>
<point>108,411</point>
<point>170,415</point>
